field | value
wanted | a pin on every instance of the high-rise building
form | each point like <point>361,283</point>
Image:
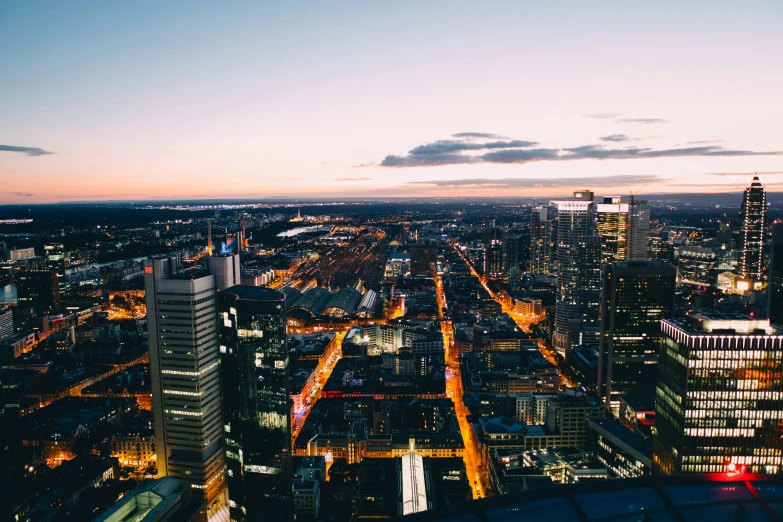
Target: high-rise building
<point>611,223</point>
<point>38,289</point>
<point>55,262</point>
<point>775,296</point>
<point>493,253</point>
<point>6,323</point>
<point>226,269</point>
<point>753,213</point>
<point>638,229</point>
<point>424,260</point>
<point>185,377</point>
<point>574,224</point>
<point>254,355</point>
<point>542,241</point>
<point>719,398</point>
<point>635,296</point>
<point>590,292</point>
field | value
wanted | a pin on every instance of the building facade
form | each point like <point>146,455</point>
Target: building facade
<point>775,288</point>
<point>611,223</point>
<point>635,296</point>
<point>638,230</point>
<point>543,231</point>
<point>719,398</point>
<point>574,223</point>
<point>254,355</point>
<point>185,378</point>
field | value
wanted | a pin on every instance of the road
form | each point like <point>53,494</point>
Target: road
<point>523,321</point>
<point>477,475</point>
<point>324,370</point>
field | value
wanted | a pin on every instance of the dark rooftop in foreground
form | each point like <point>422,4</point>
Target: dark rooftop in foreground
<point>714,497</point>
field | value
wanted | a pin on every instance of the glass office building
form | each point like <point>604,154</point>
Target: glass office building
<point>635,296</point>
<point>254,356</point>
<point>719,398</point>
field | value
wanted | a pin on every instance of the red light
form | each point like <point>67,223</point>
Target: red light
<point>147,269</point>
<point>732,467</point>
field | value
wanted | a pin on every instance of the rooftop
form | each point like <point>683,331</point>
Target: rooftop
<point>255,293</point>
<point>716,496</point>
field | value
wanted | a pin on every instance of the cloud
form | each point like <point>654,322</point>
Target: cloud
<point>597,181</point>
<point>351,179</point>
<point>644,121</point>
<point>23,194</point>
<point>452,152</point>
<point>615,137</point>
<point>447,146</point>
<point>27,151</point>
<point>602,115</point>
<point>768,173</point>
<point>484,135</point>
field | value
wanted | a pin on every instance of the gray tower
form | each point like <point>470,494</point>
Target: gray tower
<point>185,378</point>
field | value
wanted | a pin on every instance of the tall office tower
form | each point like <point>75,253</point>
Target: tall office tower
<point>719,398</point>
<point>493,253</point>
<point>185,377</point>
<point>39,289</point>
<point>226,269</point>
<point>574,224</point>
<point>55,262</point>
<point>424,260</point>
<point>254,360</point>
<point>542,235</point>
<point>753,212</point>
<point>635,296</point>
<point>638,229</point>
<point>611,223</point>
<point>775,296</point>
<point>590,293</point>
<point>6,323</point>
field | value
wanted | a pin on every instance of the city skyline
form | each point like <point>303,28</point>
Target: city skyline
<point>355,100</point>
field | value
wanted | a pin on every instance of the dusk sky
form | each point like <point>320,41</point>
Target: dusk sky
<point>110,100</point>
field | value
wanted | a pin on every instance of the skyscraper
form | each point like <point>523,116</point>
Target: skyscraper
<point>225,268</point>
<point>635,296</point>
<point>574,224</point>
<point>254,354</point>
<point>424,260</point>
<point>493,253</point>
<point>185,378</point>
<point>611,223</point>
<point>719,398</point>
<point>590,292</point>
<point>753,212</point>
<point>775,296</point>
<point>638,229</point>
<point>55,262</point>
<point>39,289</point>
<point>542,234</point>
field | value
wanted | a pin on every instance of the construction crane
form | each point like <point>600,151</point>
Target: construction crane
<point>636,192</point>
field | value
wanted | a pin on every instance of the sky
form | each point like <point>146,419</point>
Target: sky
<point>191,99</point>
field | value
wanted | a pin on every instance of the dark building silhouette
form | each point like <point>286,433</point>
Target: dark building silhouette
<point>254,355</point>
<point>38,289</point>
<point>635,296</point>
<point>424,260</point>
<point>775,297</point>
<point>493,253</point>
